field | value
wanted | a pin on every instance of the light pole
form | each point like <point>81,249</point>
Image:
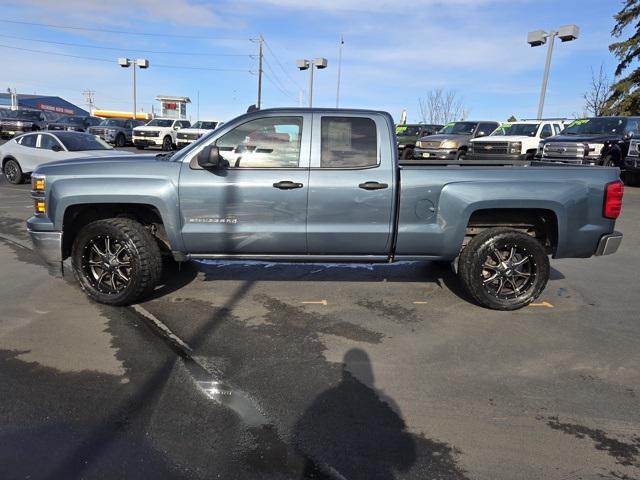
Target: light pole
<point>141,63</point>
<point>304,64</point>
<point>566,33</point>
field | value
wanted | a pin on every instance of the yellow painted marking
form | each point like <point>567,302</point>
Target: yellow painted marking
<point>541,304</point>
<point>320,302</point>
<point>420,303</point>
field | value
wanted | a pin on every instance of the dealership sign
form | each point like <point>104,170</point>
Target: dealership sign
<point>51,108</point>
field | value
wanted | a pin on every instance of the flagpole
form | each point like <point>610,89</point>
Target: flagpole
<point>339,71</point>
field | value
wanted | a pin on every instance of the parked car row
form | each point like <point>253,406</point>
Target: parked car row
<point>169,133</point>
<point>608,141</point>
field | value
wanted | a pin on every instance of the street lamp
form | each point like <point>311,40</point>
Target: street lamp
<point>304,64</point>
<point>141,63</point>
<point>566,33</point>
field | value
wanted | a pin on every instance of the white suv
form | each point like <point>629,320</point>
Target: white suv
<point>159,132</point>
<point>513,141</point>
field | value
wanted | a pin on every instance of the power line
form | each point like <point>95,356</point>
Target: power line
<point>286,72</point>
<point>121,32</point>
<point>287,94</point>
<point>281,86</point>
<point>155,65</point>
<point>133,50</point>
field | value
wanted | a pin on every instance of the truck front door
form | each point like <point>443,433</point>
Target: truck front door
<point>258,205</point>
<point>351,185</point>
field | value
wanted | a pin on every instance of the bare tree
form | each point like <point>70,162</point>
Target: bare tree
<point>441,106</point>
<point>596,98</point>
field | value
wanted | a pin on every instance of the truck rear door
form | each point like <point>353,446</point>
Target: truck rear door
<point>351,185</point>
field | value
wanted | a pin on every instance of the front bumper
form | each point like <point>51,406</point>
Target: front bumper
<point>632,163</point>
<point>434,153</point>
<point>183,142</point>
<point>609,244</point>
<point>146,142</point>
<point>571,160</point>
<point>49,246</point>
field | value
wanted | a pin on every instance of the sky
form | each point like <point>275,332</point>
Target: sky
<point>393,54</point>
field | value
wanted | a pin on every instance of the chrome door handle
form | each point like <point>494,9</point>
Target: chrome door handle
<point>373,186</point>
<point>287,185</point>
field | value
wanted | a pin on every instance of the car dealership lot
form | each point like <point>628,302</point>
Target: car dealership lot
<point>228,369</point>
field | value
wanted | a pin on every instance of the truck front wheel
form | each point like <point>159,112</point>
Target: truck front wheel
<point>116,261</point>
<point>504,269</point>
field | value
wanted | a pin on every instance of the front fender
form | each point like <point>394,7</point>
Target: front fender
<point>159,192</point>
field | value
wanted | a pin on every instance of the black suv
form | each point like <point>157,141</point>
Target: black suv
<point>13,122</point>
<point>591,141</point>
<point>409,134</point>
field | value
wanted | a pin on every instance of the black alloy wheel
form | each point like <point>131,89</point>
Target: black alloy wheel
<point>504,269</point>
<point>116,261</point>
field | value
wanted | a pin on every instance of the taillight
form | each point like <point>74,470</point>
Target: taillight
<point>613,200</point>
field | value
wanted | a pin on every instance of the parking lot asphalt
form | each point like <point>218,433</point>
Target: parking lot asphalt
<point>256,370</point>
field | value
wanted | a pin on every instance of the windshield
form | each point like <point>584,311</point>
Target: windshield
<point>112,122</point>
<point>204,125</point>
<point>160,123</point>
<point>408,130</point>
<point>595,126</point>
<point>79,142</point>
<point>519,129</point>
<point>458,128</point>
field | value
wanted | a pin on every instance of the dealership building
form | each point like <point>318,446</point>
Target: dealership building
<point>42,102</point>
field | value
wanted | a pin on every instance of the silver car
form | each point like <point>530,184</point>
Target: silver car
<point>22,155</point>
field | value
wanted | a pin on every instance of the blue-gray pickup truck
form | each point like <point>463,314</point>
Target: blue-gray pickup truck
<point>317,185</point>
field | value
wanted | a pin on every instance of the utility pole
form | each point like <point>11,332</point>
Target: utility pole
<point>260,53</point>
<point>339,70</point>
<point>89,99</point>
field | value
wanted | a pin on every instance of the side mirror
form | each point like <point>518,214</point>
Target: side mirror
<point>176,127</point>
<point>480,134</point>
<point>628,135</point>
<point>56,148</point>
<point>545,134</point>
<point>209,158</point>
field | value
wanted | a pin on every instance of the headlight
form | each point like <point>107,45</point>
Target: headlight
<point>37,182</point>
<point>450,144</point>
<point>401,145</point>
<point>419,144</point>
<point>470,147</point>
<point>515,147</point>
<point>594,149</point>
<point>110,131</point>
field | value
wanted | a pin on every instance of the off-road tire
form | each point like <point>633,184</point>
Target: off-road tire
<point>167,144</point>
<point>144,254</point>
<point>407,154</point>
<point>473,274</point>
<point>609,161</point>
<point>13,172</point>
<point>461,155</point>
<point>120,140</point>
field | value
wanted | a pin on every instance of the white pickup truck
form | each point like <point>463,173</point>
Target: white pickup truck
<point>159,132</point>
<point>513,141</point>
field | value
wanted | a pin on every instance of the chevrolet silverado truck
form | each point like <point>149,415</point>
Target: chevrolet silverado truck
<point>409,134</point>
<point>452,141</point>
<point>514,141</point>
<point>317,185</point>
<point>592,141</point>
<point>159,132</point>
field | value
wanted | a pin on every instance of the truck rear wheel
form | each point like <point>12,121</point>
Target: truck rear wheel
<point>116,261</point>
<point>504,269</point>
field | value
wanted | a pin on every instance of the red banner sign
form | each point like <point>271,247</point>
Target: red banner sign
<point>51,108</point>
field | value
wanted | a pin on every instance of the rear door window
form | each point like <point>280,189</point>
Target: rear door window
<point>47,142</point>
<point>348,142</point>
<point>29,141</point>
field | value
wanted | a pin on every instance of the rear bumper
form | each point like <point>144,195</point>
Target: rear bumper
<point>609,244</point>
<point>49,246</point>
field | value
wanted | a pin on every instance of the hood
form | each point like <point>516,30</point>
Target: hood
<point>504,138</point>
<point>200,131</point>
<point>145,128</point>
<point>440,137</point>
<point>98,157</point>
<point>596,138</point>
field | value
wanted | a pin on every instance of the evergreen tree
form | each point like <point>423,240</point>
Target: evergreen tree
<point>625,94</point>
